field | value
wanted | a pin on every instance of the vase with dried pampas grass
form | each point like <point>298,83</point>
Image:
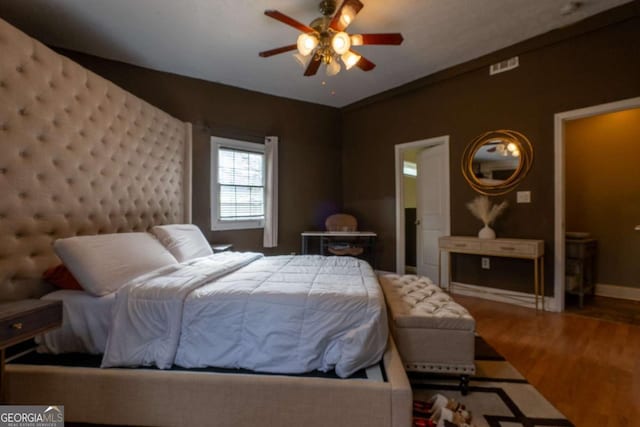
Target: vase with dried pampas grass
<point>486,212</point>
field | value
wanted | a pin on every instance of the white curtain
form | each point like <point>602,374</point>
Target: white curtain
<point>271,192</point>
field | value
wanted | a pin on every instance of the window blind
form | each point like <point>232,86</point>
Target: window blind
<point>241,184</point>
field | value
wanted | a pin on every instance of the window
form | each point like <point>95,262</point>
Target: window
<point>410,168</point>
<point>237,184</point>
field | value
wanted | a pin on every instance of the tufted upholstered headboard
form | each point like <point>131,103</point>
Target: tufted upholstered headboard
<point>78,155</point>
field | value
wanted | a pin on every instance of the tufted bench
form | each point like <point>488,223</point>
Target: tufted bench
<point>433,332</point>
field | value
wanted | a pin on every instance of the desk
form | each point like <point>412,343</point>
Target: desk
<point>364,239</point>
<point>509,248</point>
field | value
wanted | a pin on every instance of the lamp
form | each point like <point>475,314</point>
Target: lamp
<point>328,45</point>
<point>357,40</point>
<point>350,59</point>
<point>348,13</point>
<point>327,41</point>
<point>306,43</point>
<point>333,67</point>
<point>341,42</point>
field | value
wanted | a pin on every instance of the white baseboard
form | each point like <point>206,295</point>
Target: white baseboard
<point>616,291</point>
<point>501,295</point>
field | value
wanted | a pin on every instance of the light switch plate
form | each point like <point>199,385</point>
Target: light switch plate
<point>524,196</point>
<point>485,263</point>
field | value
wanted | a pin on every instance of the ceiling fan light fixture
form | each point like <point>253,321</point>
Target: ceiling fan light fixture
<point>326,41</point>
<point>300,59</point>
<point>341,43</point>
<point>356,40</point>
<point>347,15</point>
<point>350,59</point>
<point>306,43</point>
<point>333,68</point>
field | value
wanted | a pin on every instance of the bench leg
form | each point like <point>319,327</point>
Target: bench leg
<point>464,384</point>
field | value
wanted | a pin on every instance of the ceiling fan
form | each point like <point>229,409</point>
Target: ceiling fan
<point>503,148</point>
<point>326,40</point>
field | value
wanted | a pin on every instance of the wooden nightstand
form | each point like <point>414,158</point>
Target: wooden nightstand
<point>23,320</point>
<point>221,247</point>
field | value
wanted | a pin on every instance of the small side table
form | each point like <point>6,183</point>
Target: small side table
<point>221,247</point>
<point>580,267</point>
<point>23,320</point>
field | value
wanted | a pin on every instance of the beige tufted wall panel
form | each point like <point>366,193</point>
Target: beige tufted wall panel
<point>78,155</point>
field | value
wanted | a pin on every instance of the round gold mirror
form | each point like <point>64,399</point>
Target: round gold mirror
<point>496,161</point>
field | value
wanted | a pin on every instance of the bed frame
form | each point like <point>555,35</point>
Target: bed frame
<point>82,156</point>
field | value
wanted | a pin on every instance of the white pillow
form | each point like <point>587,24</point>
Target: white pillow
<point>184,241</point>
<point>105,262</point>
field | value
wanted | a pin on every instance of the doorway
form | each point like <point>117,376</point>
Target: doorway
<point>565,216</point>
<point>431,198</point>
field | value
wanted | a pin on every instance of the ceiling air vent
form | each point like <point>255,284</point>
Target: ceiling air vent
<point>506,65</point>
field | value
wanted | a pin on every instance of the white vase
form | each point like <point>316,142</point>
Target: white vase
<point>486,232</point>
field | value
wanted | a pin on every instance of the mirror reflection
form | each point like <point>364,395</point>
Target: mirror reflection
<point>496,161</point>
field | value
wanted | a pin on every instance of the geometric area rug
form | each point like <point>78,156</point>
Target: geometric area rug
<point>498,395</point>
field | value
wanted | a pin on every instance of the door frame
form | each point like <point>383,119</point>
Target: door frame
<point>560,183</point>
<point>400,219</point>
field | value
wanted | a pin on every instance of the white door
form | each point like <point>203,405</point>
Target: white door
<point>432,209</point>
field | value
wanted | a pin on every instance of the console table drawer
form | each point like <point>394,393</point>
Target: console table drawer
<point>510,248</point>
<point>460,245</point>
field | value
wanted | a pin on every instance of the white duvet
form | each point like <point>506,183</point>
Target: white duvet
<point>283,314</point>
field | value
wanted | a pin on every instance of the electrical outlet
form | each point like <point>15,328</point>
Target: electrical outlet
<point>486,264</point>
<point>523,196</point>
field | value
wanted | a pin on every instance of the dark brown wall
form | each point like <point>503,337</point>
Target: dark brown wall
<point>309,135</point>
<point>603,190</point>
<point>595,62</point>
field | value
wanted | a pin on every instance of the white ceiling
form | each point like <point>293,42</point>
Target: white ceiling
<point>219,40</point>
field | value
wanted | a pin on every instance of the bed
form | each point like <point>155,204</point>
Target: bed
<point>84,157</point>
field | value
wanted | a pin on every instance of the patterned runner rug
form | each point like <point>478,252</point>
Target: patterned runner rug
<point>498,395</point>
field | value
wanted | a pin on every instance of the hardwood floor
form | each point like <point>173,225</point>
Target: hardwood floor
<point>588,368</point>
<point>617,310</point>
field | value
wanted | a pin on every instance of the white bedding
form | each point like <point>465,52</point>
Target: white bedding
<point>287,314</point>
<point>284,314</point>
<point>85,323</point>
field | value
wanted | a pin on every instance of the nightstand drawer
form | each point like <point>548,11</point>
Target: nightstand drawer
<point>22,320</point>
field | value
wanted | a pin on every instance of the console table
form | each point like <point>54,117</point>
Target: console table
<point>509,248</point>
<point>364,239</point>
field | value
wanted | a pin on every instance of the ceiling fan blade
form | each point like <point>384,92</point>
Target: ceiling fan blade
<point>289,21</point>
<point>382,38</point>
<point>312,69</point>
<point>364,64</point>
<point>268,53</point>
<point>345,14</point>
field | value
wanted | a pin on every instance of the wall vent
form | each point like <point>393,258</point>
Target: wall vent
<point>506,65</point>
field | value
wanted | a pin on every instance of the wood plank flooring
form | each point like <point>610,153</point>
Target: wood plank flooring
<point>616,310</point>
<point>588,368</point>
